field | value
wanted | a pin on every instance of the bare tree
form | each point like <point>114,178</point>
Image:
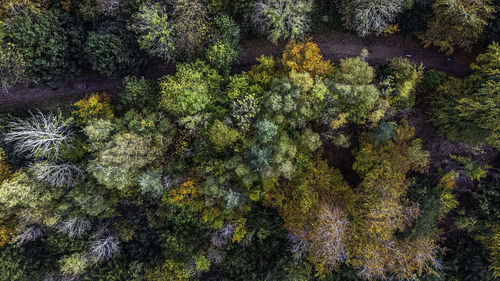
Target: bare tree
<point>373,16</point>
<point>104,249</point>
<point>74,227</point>
<point>328,239</point>
<point>110,8</point>
<point>32,233</point>
<point>42,135</point>
<point>58,175</point>
<point>282,18</point>
<point>221,237</point>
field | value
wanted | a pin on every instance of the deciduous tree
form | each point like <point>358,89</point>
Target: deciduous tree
<point>457,23</point>
<point>193,87</point>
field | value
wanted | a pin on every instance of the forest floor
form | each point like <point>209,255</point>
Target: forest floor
<point>334,46</point>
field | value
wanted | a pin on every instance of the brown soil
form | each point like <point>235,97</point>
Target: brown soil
<point>334,46</point>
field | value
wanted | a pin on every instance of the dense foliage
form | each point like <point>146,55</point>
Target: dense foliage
<point>299,168</point>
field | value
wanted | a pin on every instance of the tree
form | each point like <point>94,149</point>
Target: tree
<point>155,128</point>
<point>104,249</point>
<point>353,92</point>
<point>118,164</point>
<point>99,132</point>
<point>112,50</point>
<point>225,50</point>
<point>74,265</point>
<point>42,135</point>
<point>22,197</point>
<point>44,44</point>
<point>468,110</point>
<point>222,136</point>
<point>401,83</point>
<point>61,174</point>
<point>193,88</point>
<point>95,106</point>
<point>169,270</point>
<point>280,19</point>
<point>5,169</point>
<point>221,55</point>
<point>385,211</point>
<point>328,244</point>
<point>151,184</point>
<point>12,66</point>
<point>371,17</point>
<point>155,32</point>
<point>139,92</point>
<point>265,130</point>
<point>295,99</point>
<point>457,23</point>
<point>12,8</point>
<point>305,57</point>
<point>263,73</point>
<point>74,227</point>
<point>190,25</point>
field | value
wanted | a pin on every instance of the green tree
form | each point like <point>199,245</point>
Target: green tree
<point>266,130</point>
<point>225,50</point>
<point>45,44</point>
<point>457,23</point>
<point>280,19</point>
<point>193,87</point>
<point>21,196</point>
<point>402,82</point>
<point>222,136</point>
<point>139,93</point>
<point>119,163</point>
<point>468,110</point>
<point>112,50</point>
<point>353,92</point>
<point>155,32</point>
<point>12,66</point>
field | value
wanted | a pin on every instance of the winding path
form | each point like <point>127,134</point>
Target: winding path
<point>334,46</point>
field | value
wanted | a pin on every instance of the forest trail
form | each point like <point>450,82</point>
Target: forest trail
<point>334,46</point>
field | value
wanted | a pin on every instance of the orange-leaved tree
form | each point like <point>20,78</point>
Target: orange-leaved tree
<point>305,57</point>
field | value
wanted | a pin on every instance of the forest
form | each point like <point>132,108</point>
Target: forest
<point>294,168</point>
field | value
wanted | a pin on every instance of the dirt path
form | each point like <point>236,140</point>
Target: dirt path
<point>333,46</point>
